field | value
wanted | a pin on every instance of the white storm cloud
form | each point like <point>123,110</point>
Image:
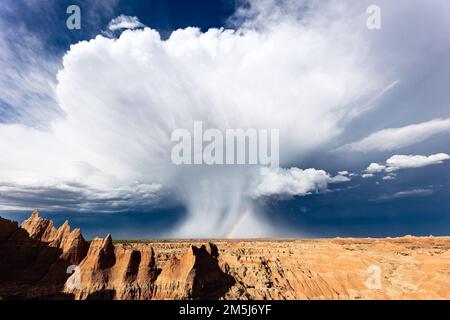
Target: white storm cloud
<point>123,97</point>
<point>288,67</point>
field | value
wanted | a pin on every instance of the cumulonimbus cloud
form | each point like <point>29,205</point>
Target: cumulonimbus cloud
<point>123,97</point>
<point>292,69</point>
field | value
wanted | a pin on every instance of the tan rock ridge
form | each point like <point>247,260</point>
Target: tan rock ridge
<point>109,272</point>
<point>196,275</point>
<point>72,243</point>
<point>35,258</point>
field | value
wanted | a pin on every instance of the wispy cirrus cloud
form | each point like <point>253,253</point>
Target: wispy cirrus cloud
<point>405,194</point>
<point>27,80</point>
<point>396,138</point>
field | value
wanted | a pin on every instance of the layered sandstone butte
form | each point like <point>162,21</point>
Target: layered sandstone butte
<point>36,260</point>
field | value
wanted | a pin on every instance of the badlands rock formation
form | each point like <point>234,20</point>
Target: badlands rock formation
<point>38,261</point>
<point>35,256</point>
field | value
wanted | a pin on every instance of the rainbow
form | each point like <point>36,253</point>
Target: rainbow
<point>236,225</point>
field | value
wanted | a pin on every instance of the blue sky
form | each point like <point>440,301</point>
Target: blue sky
<point>83,125</point>
<point>47,19</point>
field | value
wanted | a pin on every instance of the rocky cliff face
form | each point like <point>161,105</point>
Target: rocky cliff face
<point>195,275</point>
<point>37,261</point>
<point>35,257</point>
<point>109,272</point>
